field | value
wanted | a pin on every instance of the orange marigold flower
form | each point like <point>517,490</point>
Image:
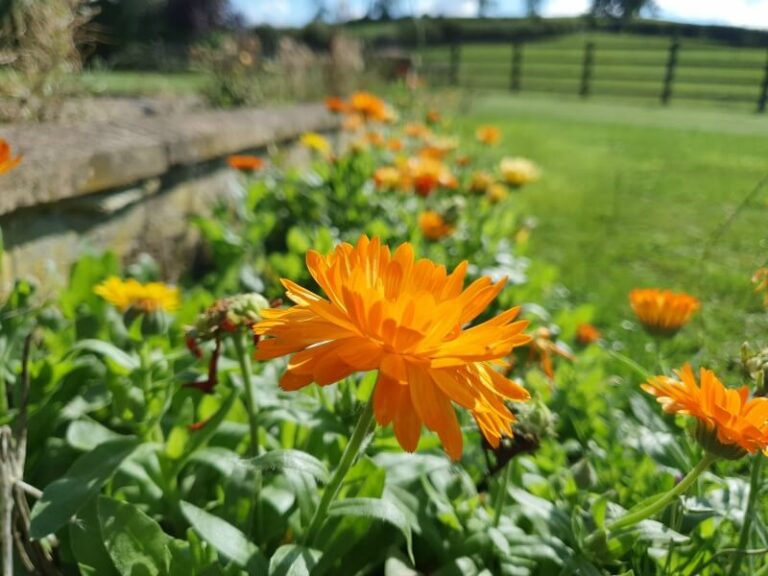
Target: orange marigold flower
<point>370,107</point>
<point>543,348</point>
<point>488,135</point>
<point>387,177</point>
<point>395,145</point>
<point>587,334</point>
<point>246,163</point>
<point>403,317</point>
<point>428,174</point>
<point>336,105</point>
<point>353,123</point>
<point>7,160</point>
<point>434,226</point>
<point>433,117</point>
<point>662,312</point>
<point>131,294</point>
<point>496,193</point>
<point>729,423</point>
<point>375,139</point>
<point>416,130</point>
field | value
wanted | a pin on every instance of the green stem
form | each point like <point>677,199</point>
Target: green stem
<point>659,504</point>
<point>250,403</point>
<point>501,496</point>
<point>347,459</point>
<point>754,489</point>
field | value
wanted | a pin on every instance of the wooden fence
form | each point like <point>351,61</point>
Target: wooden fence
<point>644,71</point>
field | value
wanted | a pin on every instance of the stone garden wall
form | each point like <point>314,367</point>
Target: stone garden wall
<point>131,185</point>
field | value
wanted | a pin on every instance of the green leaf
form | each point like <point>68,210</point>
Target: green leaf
<point>293,560</point>
<point>292,460</point>
<point>109,351</point>
<point>228,540</point>
<point>86,435</point>
<point>135,542</point>
<point>87,544</point>
<point>64,497</point>
<point>200,437</point>
<point>376,509</point>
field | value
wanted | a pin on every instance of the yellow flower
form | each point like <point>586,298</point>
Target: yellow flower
<point>7,161</point>
<point>729,423</point>
<point>316,142</point>
<point>488,135</point>
<point>480,182</point>
<point>387,177</point>
<point>519,171</point>
<point>405,318</point>
<point>662,312</point>
<point>433,225</point>
<point>496,193</point>
<point>131,294</point>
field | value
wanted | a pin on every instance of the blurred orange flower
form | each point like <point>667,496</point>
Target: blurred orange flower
<point>433,225</point>
<point>427,174</point>
<point>7,161</point>
<point>416,130</point>
<point>370,107</point>
<point>335,104</point>
<point>403,317</point>
<point>729,423</point>
<point>662,312</point>
<point>488,135</point>
<point>387,177</point>
<point>246,163</point>
<point>463,161</point>
<point>543,349</point>
<point>496,193</point>
<point>587,334</point>
<point>395,145</point>
<point>433,117</point>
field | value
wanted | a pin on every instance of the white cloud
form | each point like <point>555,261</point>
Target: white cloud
<point>553,8</point>
<point>748,13</point>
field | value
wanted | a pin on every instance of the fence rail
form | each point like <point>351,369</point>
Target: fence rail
<point>694,72</point>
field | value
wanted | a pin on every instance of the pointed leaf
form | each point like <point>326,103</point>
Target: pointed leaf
<point>290,459</point>
<point>228,540</point>
<point>64,497</point>
<point>292,560</point>
<point>109,351</point>
<point>376,509</point>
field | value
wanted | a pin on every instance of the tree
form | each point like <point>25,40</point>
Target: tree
<point>533,8</point>
<point>190,19</point>
<point>382,9</point>
<point>621,9</point>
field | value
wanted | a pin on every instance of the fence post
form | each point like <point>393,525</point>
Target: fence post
<point>586,69</point>
<point>763,99</point>
<point>517,66</point>
<point>669,76</point>
<point>455,63</point>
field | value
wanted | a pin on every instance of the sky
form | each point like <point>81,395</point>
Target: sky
<point>749,13</point>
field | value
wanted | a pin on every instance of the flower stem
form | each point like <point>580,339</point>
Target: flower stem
<point>662,502</point>
<point>347,459</point>
<point>501,495</point>
<point>754,489</point>
<point>250,403</point>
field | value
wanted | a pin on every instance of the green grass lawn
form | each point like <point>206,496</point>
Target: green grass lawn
<point>623,63</point>
<point>115,83</point>
<point>640,196</point>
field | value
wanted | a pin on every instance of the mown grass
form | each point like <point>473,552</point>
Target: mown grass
<point>638,196</point>
<point>114,83</point>
<point>624,64</point>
